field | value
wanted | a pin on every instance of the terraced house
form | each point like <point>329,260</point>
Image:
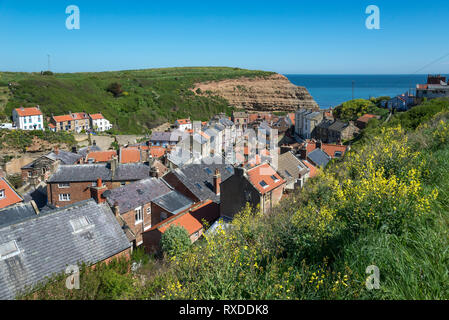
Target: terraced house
<point>73,183</point>
<point>73,122</point>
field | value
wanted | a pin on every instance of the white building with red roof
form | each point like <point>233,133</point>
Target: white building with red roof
<point>183,124</point>
<point>28,118</point>
<point>99,123</point>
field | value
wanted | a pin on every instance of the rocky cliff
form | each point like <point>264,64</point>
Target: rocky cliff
<point>271,93</point>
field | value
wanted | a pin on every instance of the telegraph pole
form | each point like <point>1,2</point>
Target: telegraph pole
<point>48,62</point>
<point>353,83</point>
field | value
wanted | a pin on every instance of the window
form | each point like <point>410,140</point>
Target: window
<point>80,224</point>
<point>138,215</point>
<point>64,197</point>
<point>94,184</point>
<point>163,216</point>
<point>2,194</point>
<point>229,169</point>
<point>63,185</point>
<point>337,154</point>
<point>123,183</point>
<point>199,186</point>
<point>208,171</point>
<point>30,174</point>
<point>288,173</point>
<point>263,184</point>
<point>274,178</point>
<point>9,250</point>
<point>196,234</point>
<point>149,210</point>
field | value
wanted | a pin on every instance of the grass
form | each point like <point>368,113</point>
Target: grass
<point>385,204</point>
<point>149,97</point>
<point>21,139</point>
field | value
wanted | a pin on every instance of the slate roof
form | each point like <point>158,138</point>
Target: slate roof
<point>338,125</point>
<point>319,157</point>
<point>53,244</point>
<point>16,213</point>
<point>84,151</point>
<point>172,136</point>
<point>173,202</point>
<point>136,194</point>
<point>290,167</point>
<point>314,115</point>
<point>199,181</point>
<point>65,157</point>
<point>90,172</point>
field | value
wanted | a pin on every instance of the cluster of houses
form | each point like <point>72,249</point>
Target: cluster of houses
<point>100,204</point>
<point>436,86</point>
<point>33,119</point>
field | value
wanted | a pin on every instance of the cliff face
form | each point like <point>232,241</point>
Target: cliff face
<point>273,93</point>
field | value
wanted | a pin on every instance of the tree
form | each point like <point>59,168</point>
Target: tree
<point>175,240</point>
<point>115,88</point>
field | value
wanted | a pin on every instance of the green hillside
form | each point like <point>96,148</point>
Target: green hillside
<point>142,100</point>
<point>385,204</point>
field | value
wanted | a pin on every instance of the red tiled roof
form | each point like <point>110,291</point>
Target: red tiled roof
<point>51,125</point>
<point>185,220</point>
<point>313,169</point>
<point>262,174</point>
<point>68,117</point>
<point>183,121</point>
<point>129,155</point>
<point>329,149</point>
<point>101,156</point>
<point>11,196</point>
<point>96,116</point>
<point>63,118</point>
<point>422,86</point>
<point>157,152</point>
<point>25,112</point>
<point>366,117</point>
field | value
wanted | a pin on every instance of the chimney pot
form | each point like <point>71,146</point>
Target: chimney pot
<point>217,181</point>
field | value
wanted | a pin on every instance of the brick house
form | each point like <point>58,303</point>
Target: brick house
<point>260,185</point>
<point>362,122</point>
<point>240,120</point>
<point>144,204</point>
<point>202,182</point>
<point>74,183</point>
<point>293,170</point>
<point>73,122</point>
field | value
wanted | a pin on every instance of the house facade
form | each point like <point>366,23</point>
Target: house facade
<point>8,196</point>
<point>73,183</point>
<point>72,122</point>
<point>260,186</point>
<point>99,123</point>
<point>28,118</point>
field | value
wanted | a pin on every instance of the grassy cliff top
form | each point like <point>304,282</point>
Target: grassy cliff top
<point>143,99</point>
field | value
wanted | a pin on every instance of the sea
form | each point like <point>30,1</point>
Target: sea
<point>332,90</point>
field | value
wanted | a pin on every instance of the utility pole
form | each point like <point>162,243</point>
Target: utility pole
<point>353,83</point>
<point>48,62</point>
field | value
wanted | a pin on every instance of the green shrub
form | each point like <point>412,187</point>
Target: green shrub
<point>175,240</point>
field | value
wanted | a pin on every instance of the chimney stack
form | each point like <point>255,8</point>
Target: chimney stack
<point>303,152</point>
<point>114,164</point>
<point>56,150</point>
<point>97,192</point>
<point>217,181</point>
<point>318,144</point>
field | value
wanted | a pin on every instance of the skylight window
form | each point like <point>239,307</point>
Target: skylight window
<point>9,250</point>
<point>288,173</point>
<point>274,178</point>
<point>229,169</point>
<point>208,171</point>
<point>80,224</point>
<point>263,184</point>
<point>199,186</point>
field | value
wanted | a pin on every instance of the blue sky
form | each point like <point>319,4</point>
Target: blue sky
<point>324,37</point>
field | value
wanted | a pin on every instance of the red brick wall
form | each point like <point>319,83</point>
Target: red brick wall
<point>78,191</point>
<point>130,219</point>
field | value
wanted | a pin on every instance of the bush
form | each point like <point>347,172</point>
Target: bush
<point>175,240</point>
